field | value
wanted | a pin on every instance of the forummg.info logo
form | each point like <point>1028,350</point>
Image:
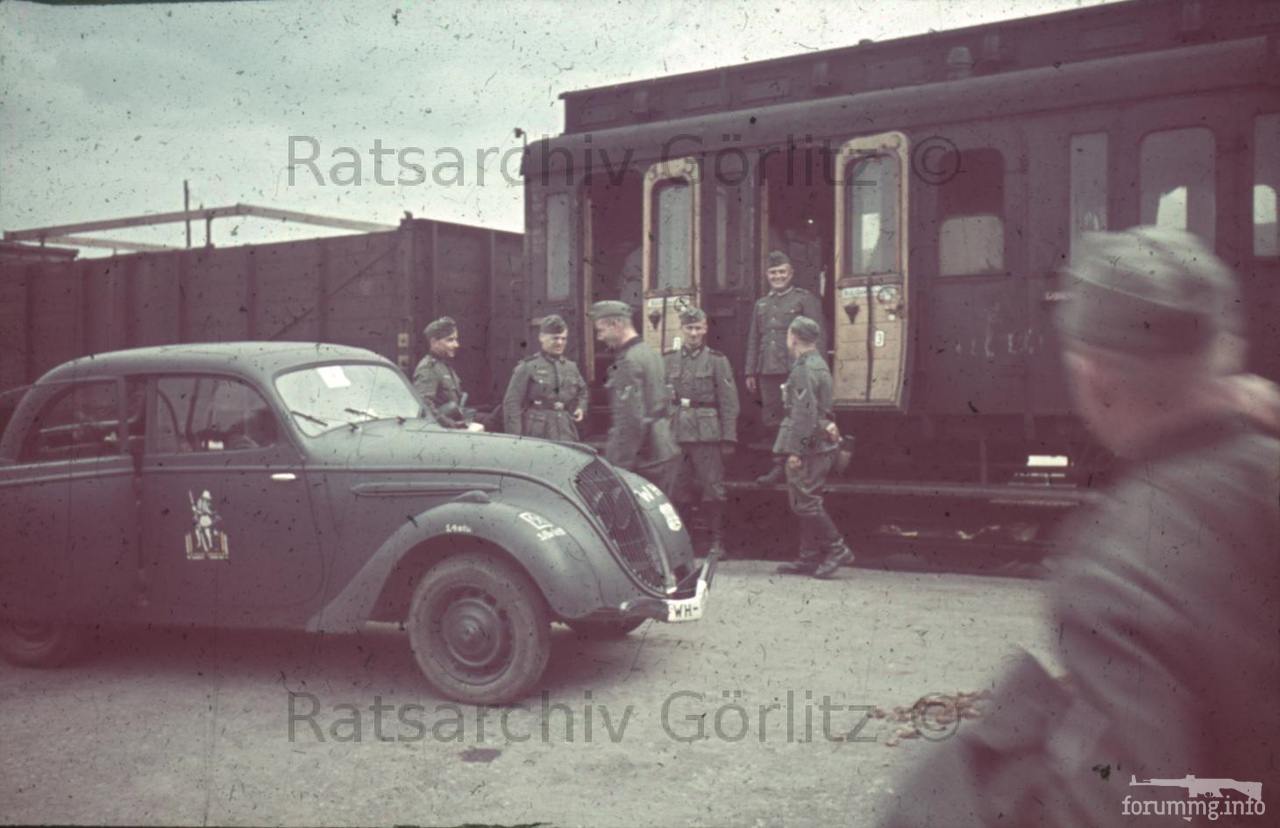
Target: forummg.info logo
<point>1204,799</point>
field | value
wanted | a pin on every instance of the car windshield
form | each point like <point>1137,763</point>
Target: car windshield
<point>323,397</point>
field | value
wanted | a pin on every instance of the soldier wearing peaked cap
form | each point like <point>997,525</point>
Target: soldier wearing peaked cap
<point>639,401</point>
<point>436,381</point>
<point>547,396</point>
<point>1164,605</point>
<point>705,420</point>
<point>768,361</point>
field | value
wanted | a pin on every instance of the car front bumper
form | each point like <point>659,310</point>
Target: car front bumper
<point>686,603</point>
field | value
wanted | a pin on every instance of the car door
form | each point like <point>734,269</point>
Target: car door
<point>68,538</point>
<point>228,522</point>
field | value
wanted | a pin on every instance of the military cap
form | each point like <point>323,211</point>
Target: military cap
<point>777,259</point>
<point>552,324</point>
<point>442,328</point>
<point>610,308</point>
<point>1148,291</point>
<point>805,329</point>
<point>692,315</point>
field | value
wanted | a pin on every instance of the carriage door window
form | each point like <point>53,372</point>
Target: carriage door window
<point>1176,174</point>
<point>671,242</point>
<point>971,213</point>
<point>1266,183</point>
<point>560,249</point>
<point>871,279</point>
<point>1088,185</point>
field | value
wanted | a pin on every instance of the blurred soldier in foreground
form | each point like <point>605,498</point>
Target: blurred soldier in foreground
<point>639,430</point>
<point>768,361</point>
<point>1165,612</point>
<point>807,441</point>
<point>705,420</point>
<point>547,396</point>
<point>435,379</point>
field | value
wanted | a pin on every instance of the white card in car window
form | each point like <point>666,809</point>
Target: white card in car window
<point>333,376</point>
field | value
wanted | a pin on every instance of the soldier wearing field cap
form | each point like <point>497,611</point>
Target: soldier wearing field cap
<point>768,361</point>
<point>808,450</point>
<point>639,400</point>
<point>436,381</point>
<point>705,420</point>
<point>547,396</point>
<point>1164,608</point>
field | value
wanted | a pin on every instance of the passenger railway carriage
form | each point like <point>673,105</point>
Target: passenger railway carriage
<point>929,190</point>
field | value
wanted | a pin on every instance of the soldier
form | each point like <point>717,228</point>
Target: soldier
<point>705,420</point>
<point>639,400</point>
<point>1165,606</point>
<point>547,396</point>
<point>435,379</point>
<point>768,361</point>
<point>809,446</point>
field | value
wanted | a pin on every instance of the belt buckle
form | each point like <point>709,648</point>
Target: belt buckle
<point>685,402</point>
<point>558,406</point>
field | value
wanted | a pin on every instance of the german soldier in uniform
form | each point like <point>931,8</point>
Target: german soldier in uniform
<point>547,396</point>
<point>705,420</point>
<point>806,440</point>
<point>435,380</point>
<point>768,361</point>
<point>639,400</point>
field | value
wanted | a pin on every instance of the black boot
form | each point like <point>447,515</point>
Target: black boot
<point>714,511</point>
<point>837,551</point>
<point>807,559</point>
<point>775,475</point>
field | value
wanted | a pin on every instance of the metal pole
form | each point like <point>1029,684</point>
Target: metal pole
<point>186,208</point>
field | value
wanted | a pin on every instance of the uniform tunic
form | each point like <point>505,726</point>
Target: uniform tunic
<point>767,356</point>
<point>803,432</point>
<point>438,385</point>
<point>542,397</point>
<point>705,416</point>
<point>639,430</point>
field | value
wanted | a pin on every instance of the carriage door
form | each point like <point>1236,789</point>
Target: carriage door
<point>671,213</point>
<point>871,272</point>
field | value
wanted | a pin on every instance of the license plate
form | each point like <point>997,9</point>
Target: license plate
<point>688,609</point>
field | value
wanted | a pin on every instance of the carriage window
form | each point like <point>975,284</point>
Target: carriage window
<point>1088,185</point>
<point>80,422</point>
<point>971,214</point>
<point>197,414</point>
<point>1266,184</point>
<point>728,236</point>
<point>871,207</point>
<point>560,258</point>
<point>673,237</point>
<point>1176,171</point>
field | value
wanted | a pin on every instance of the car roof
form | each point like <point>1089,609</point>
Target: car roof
<point>257,359</point>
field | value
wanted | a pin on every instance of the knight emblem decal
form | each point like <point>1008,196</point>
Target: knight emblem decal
<point>206,541</point>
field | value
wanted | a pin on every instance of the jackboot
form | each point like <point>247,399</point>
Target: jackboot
<point>806,561</point>
<point>776,475</point>
<point>714,511</point>
<point>837,551</point>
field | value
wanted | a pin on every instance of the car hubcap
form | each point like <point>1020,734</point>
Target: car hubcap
<point>475,634</point>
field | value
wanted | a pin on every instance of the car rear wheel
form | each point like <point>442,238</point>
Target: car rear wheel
<point>39,643</point>
<point>620,628</point>
<point>479,629</point>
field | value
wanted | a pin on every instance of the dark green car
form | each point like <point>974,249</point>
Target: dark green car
<point>291,485</point>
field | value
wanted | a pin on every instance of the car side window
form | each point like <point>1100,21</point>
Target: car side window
<point>201,414</point>
<point>78,422</point>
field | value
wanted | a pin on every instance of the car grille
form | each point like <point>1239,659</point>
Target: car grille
<point>613,503</point>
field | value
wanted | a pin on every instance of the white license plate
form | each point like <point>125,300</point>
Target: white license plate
<point>688,609</point>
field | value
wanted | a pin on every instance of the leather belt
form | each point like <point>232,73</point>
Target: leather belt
<point>556,406</point>
<point>687,403</point>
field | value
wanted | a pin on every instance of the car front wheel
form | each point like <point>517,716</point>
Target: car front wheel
<point>38,643</point>
<point>479,629</point>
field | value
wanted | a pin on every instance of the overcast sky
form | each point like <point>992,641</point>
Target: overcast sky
<point>104,110</point>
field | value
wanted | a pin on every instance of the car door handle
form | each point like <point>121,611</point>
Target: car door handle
<point>284,477</point>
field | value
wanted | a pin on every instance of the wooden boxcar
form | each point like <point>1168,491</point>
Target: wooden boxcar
<point>928,189</point>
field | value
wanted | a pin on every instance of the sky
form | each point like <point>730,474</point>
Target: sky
<point>105,110</point>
